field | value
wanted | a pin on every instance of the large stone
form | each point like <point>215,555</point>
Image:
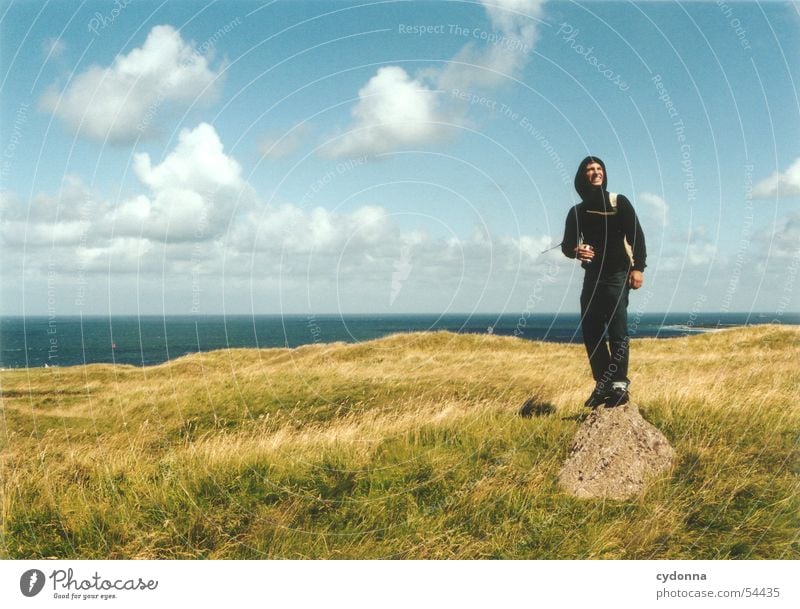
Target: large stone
<point>613,454</point>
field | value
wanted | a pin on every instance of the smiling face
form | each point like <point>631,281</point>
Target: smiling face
<point>594,174</point>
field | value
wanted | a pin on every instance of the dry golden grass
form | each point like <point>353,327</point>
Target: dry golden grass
<point>409,446</point>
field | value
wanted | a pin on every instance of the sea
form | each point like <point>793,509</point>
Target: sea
<point>148,340</point>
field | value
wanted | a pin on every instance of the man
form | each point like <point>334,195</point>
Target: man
<point>602,231</point>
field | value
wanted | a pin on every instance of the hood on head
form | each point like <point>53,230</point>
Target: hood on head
<point>586,190</point>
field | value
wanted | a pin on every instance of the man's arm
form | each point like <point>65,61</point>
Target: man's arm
<point>570,240</point>
<point>635,236</point>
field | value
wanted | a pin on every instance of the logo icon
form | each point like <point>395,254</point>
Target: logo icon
<point>402,270</point>
<point>31,582</point>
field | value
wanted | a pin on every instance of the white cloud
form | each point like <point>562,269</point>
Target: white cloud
<point>698,234</point>
<point>364,252</point>
<point>494,56</point>
<point>529,247</point>
<point>197,225</point>
<point>53,48</point>
<point>198,162</point>
<point>780,184</point>
<point>194,192</point>
<point>291,230</point>
<point>700,254</point>
<point>192,196</point>
<point>657,204</point>
<point>50,220</point>
<point>368,244</point>
<point>50,233</point>
<point>73,197</point>
<point>393,111</point>
<point>684,251</point>
<point>120,255</point>
<point>120,103</point>
<point>700,251</point>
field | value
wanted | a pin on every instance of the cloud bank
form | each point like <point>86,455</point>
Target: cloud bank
<point>198,221</point>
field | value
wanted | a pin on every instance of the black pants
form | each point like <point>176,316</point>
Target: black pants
<point>604,311</point>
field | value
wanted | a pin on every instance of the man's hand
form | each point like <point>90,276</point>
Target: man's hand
<point>584,253</point>
<point>636,279</point>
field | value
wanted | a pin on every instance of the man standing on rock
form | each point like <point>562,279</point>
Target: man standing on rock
<point>602,231</point>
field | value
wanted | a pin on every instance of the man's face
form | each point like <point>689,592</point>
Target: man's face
<point>594,174</point>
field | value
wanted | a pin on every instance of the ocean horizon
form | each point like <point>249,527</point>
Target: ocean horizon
<point>36,341</point>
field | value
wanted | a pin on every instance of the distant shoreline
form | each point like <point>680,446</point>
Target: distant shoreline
<point>94,316</point>
<point>117,356</point>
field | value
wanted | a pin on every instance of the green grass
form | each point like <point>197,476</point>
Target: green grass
<point>404,447</point>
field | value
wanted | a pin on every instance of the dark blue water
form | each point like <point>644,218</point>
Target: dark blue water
<point>69,341</point>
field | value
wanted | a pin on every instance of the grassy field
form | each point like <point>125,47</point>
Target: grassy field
<point>404,447</point>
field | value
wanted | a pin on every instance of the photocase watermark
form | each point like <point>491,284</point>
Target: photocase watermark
<point>421,30</point>
<point>475,99</point>
<point>525,123</point>
<point>509,43</point>
<point>314,328</point>
<point>20,120</point>
<point>100,21</point>
<point>212,40</point>
<point>639,311</point>
<point>735,24</point>
<point>31,582</point>
<point>697,307</point>
<point>96,587</point>
<point>687,166</point>
<point>52,324</point>
<point>546,277</point>
<point>330,175</point>
<point>85,224</point>
<point>150,113</point>
<point>744,241</point>
<point>633,329</point>
<point>197,252</point>
<point>203,48</point>
<point>789,278</point>
<point>402,271</point>
<point>493,38</point>
<point>569,34</point>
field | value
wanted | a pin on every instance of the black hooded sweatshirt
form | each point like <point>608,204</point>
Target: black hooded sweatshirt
<point>603,227</point>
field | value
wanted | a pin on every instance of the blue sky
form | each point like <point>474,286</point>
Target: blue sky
<point>390,157</point>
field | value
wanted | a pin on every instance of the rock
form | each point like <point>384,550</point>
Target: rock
<point>613,454</point>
